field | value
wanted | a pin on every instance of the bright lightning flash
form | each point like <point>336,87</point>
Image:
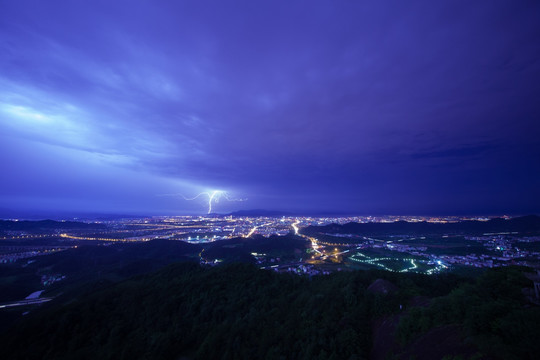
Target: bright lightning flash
<point>213,197</point>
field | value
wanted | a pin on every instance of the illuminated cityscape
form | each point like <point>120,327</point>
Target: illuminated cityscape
<point>327,252</point>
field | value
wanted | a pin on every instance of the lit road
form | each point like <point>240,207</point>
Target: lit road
<point>281,266</point>
<point>73,237</point>
<point>314,242</point>
<point>295,227</point>
<point>25,302</point>
<point>252,231</point>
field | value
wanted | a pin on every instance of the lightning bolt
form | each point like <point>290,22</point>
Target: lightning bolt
<point>213,197</point>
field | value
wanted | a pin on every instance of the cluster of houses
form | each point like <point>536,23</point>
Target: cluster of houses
<point>304,270</point>
<point>10,257</point>
<point>47,280</point>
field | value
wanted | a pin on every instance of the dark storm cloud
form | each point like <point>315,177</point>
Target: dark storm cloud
<point>460,152</point>
<point>355,106</point>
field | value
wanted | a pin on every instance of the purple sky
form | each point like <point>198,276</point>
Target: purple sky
<point>371,107</point>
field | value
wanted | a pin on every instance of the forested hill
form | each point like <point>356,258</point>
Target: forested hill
<point>524,224</point>
<point>237,311</point>
<point>239,249</point>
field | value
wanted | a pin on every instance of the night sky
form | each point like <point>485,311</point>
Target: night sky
<point>367,107</point>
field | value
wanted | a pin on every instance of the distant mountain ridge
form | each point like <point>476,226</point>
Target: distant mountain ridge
<point>45,224</point>
<point>260,212</point>
<point>528,224</point>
